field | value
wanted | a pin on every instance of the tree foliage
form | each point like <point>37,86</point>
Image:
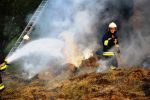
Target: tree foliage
<point>12,21</point>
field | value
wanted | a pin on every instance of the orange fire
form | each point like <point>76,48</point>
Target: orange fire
<point>72,52</point>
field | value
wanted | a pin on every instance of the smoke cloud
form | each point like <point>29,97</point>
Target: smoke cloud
<point>136,49</point>
<point>74,23</point>
<point>78,25</point>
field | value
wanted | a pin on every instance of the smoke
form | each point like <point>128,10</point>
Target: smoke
<point>78,26</point>
<point>74,23</point>
<point>103,66</point>
<point>137,50</point>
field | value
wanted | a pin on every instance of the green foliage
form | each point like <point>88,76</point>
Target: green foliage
<point>12,21</point>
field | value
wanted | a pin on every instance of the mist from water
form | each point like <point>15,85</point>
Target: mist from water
<point>39,55</point>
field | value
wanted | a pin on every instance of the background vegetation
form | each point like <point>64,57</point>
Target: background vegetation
<point>13,15</point>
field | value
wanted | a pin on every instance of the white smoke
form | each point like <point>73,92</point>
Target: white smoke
<point>72,26</point>
<point>102,66</point>
<point>76,23</point>
<point>137,50</point>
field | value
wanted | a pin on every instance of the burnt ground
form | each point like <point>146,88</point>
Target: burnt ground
<point>121,84</point>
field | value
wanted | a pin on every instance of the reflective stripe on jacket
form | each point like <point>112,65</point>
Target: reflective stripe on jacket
<point>2,86</point>
<point>108,54</point>
<point>4,67</point>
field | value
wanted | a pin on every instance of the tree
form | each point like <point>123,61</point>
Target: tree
<point>12,21</point>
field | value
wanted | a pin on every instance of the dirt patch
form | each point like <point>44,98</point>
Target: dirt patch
<point>137,74</point>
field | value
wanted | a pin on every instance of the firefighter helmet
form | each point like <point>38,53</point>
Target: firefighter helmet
<point>26,37</point>
<point>112,25</point>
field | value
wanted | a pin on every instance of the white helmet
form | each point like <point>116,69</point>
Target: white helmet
<point>26,37</point>
<point>112,25</point>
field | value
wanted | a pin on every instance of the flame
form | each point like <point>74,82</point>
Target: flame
<point>87,53</point>
<point>72,53</point>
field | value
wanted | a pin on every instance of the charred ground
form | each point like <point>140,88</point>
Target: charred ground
<point>121,84</point>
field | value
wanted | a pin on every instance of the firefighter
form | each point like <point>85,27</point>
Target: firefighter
<point>110,41</point>
<point>3,67</point>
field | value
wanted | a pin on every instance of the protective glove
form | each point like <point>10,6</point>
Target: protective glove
<point>118,50</point>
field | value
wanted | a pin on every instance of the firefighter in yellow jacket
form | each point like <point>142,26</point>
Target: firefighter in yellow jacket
<point>109,41</point>
<point>3,67</point>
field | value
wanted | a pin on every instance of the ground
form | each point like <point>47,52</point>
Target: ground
<point>122,84</point>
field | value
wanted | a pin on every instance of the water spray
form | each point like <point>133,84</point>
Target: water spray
<point>26,32</point>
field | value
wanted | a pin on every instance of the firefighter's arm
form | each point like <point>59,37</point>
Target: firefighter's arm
<point>3,66</point>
